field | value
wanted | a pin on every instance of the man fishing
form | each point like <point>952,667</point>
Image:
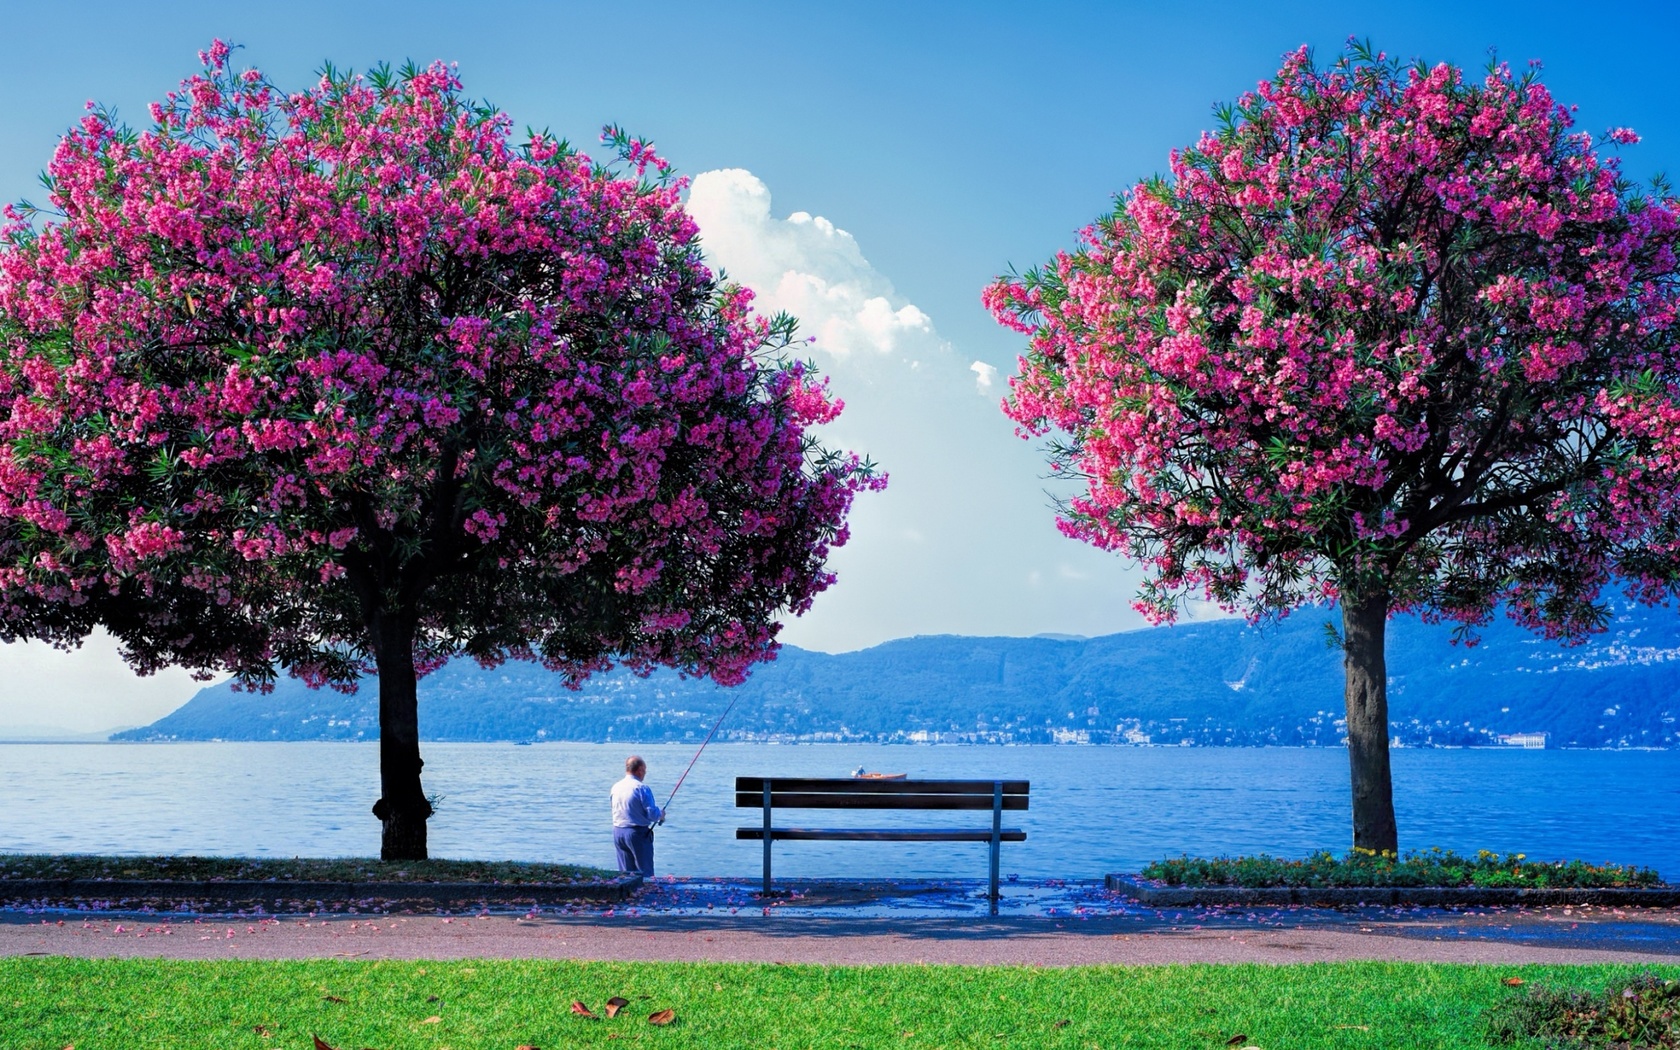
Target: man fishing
<point>634,814</point>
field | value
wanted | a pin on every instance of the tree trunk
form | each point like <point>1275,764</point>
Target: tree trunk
<point>1364,624</point>
<point>402,807</point>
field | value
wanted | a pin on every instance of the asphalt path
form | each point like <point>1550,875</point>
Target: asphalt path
<point>1509,937</point>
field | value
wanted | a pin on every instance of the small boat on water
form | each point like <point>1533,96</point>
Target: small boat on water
<point>863,774</point>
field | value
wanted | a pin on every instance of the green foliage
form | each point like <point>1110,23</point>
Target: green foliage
<point>150,1004</point>
<point>1433,867</point>
<point>302,869</point>
<point>1640,1012</point>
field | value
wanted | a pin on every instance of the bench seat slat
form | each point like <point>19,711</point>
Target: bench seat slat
<point>882,834</point>
<point>819,800</point>
<point>858,785</point>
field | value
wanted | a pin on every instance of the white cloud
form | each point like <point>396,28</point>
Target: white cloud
<point>804,265</point>
<point>50,691</point>
<point>947,547</point>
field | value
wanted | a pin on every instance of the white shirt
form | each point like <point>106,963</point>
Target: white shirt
<point>633,804</point>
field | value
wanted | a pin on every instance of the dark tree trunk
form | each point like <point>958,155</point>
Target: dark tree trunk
<point>1364,624</point>
<point>402,807</point>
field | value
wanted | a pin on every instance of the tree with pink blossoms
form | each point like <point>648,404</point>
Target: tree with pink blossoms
<point>1391,336</point>
<point>351,378</point>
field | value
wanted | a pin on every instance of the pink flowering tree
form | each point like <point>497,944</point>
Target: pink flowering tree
<point>352,378</point>
<point>1393,337</point>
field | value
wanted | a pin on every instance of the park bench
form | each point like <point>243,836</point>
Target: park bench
<point>771,793</point>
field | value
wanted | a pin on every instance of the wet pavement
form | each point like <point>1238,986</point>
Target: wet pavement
<point>1045,922</point>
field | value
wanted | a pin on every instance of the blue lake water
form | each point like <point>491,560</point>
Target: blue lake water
<point>1094,809</point>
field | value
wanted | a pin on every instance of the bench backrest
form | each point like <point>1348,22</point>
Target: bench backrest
<point>859,793</point>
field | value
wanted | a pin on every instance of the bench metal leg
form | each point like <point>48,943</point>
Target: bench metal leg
<point>767,836</point>
<point>997,837</point>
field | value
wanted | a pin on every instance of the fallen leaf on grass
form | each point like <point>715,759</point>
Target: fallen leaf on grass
<point>615,1004</point>
<point>1063,1023</point>
<point>662,1017</point>
<point>263,1030</point>
<point>1511,982</point>
<point>434,1019</point>
<point>1239,1038</point>
<point>581,1010</point>
<point>331,999</point>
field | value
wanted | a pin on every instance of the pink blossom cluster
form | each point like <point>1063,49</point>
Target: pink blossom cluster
<point>1389,328</point>
<point>283,369</point>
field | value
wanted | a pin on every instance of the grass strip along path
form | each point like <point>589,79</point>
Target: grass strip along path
<point>301,869</point>
<point>101,1004</point>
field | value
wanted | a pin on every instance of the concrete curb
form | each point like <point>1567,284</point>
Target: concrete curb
<point>279,895</point>
<point>1158,895</point>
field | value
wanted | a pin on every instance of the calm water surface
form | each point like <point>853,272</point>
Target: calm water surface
<point>1094,809</point>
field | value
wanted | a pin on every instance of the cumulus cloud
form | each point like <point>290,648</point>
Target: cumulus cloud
<point>963,540</point>
<point>802,264</point>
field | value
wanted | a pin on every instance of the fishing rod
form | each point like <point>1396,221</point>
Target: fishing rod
<point>703,744</point>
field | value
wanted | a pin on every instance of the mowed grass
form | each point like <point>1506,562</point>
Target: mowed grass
<point>307,869</point>
<point>50,1003</point>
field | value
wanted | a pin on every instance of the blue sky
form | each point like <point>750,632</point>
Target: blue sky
<point>873,165</point>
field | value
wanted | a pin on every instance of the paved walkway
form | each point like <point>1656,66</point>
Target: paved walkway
<point>791,938</point>
<point>1048,923</point>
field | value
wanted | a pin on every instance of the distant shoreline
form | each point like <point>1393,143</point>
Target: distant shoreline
<point>854,743</point>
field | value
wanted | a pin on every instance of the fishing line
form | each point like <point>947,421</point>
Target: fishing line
<point>696,757</point>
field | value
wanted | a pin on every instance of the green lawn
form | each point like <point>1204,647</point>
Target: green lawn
<point>51,1003</point>
<point>309,869</point>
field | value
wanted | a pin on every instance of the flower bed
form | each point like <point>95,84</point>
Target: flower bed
<point>1425,868</point>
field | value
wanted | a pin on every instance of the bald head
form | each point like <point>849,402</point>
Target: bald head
<point>635,766</point>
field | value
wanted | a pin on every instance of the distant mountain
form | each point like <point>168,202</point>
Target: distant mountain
<point>1210,683</point>
<point>41,734</point>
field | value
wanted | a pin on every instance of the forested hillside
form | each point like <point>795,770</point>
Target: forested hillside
<point>1210,683</point>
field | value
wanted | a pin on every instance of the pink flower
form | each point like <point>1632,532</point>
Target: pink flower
<point>1268,392</point>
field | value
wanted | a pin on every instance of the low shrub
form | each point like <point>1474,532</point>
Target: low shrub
<point>1641,1012</point>
<point>1434,867</point>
